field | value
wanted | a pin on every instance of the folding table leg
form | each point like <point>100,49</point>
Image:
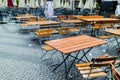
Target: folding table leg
<point>61,62</point>
<point>66,77</point>
<point>118,43</point>
<point>73,62</point>
<point>77,58</point>
<point>84,54</point>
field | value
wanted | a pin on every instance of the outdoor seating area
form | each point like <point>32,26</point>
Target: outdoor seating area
<point>58,40</point>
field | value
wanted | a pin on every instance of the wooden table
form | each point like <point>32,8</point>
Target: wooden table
<point>42,23</point>
<point>71,21</point>
<point>24,17</point>
<point>74,44</point>
<point>115,32</point>
<point>100,19</point>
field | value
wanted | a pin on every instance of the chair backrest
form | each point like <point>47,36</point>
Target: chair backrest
<point>71,17</point>
<point>98,25</point>
<point>31,19</point>
<point>44,33</point>
<point>61,17</point>
<point>41,19</point>
<point>112,16</point>
<point>115,73</point>
<point>21,15</point>
<point>96,16</point>
<point>29,15</point>
<point>102,62</point>
<point>64,31</point>
<point>99,62</point>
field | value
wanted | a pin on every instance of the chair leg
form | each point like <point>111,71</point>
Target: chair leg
<point>43,56</point>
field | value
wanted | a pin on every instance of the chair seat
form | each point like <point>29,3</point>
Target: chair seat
<point>93,75</point>
<point>96,28</point>
<point>83,66</point>
<point>93,70</point>
<point>47,48</point>
<point>74,30</point>
<point>84,69</point>
<point>24,25</point>
<point>107,55</point>
<point>54,31</point>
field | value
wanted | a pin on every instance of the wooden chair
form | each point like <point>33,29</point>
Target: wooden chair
<point>71,17</point>
<point>115,74</point>
<point>44,34</point>
<point>43,26</point>
<point>24,27</point>
<point>106,36</point>
<point>96,27</point>
<point>112,16</point>
<point>41,19</point>
<point>32,19</point>
<point>96,16</point>
<point>93,69</point>
<point>21,15</point>
<point>61,17</point>
<point>29,15</point>
<point>64,32</point>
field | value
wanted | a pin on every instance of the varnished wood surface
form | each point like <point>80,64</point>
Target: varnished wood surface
<point>71,21</point>
<point>24,17</point>
<point>76,43</point>
<point>42,23</point>
<point>114,31</point>
<point>100,19</point>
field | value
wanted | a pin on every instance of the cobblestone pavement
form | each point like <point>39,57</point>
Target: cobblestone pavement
<point>20,57</point>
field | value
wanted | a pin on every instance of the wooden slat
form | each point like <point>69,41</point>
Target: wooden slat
<point>71,21</point>
<point>100,19</point>
<point>92,71</point>
<point>99,74</point>
<point>76,43</point>
<point>85,68</point>
<point>47,48</point>
<point>42,23</point>
<point>115,32</point>
<point>82,64</point>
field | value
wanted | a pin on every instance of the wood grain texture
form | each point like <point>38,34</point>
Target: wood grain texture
<point>76,43</point>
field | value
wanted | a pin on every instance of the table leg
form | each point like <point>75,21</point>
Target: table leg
<point>117,46</point>
<point>66,77</point>
<point>73,62</point>
<point>117,42</point>
<point>84,54</point>
<point>77,58</point>
<point>61,62</point>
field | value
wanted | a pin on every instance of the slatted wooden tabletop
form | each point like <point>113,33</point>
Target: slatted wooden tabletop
<point>76,43</point>
<point>42,23</point>
<point>24,17</point>
<point>71,21</point>
<point>99,19</point>
<point>114,32</point>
